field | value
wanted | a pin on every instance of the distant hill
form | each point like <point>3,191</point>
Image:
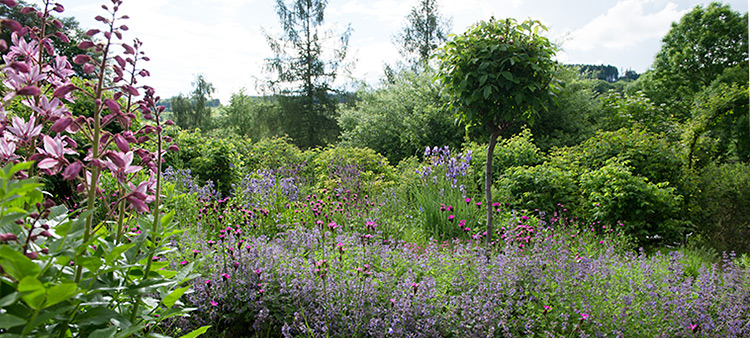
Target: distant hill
<point>215,103</point>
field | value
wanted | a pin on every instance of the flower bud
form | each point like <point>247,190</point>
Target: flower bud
<point>85,45</point>
<point>57,24</point>
<point>27,10</point>
<point>81,59</point>
<point>9,3</point>
<point>29,91</point>
<point>32,255</point>
<point>62,37</point>
<point>20,67</point>
<point>11,25</point>
<point>88,68</point>
<point>61,91</point>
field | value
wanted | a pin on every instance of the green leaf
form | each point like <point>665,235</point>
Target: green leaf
<point>8,320</point>
<point>117,252</point>
<point>173,296</point>
<point>34,292</point>
<point>166,219</point>
<point>9,299</point>
<point>16,265</point>
<point>59,293</point>
<point>197,332</point>
<point>104,333</point>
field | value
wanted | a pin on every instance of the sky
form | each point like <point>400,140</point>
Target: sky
<point>224,39</point>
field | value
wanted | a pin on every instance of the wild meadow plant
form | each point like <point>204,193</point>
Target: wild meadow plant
<point>82,273</point>
<point>441,199</point>
<point>566,282</point>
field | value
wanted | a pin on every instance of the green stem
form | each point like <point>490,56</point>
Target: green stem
<point>156,216</point>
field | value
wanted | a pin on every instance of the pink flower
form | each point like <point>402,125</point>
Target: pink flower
<point>451,217</point>
<point>138,197</point>
<point>468,200</point>
<point>584,316</point>
<point>213,303</point>
<point>7,149</point>
<point>23,130</point>
<point>54,152</point>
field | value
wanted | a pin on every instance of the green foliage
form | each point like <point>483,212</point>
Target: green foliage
<point>40,296</point>
<point>719,208</point>
<point>424,31</point>
<point>210,159</point>
<point>612,194</point>
<point>359,170</point>
<point>498,72</point>
<point>622,110</point>
<point>570,121</point>
<point>274,153</point>
<point>696,51</point>
<point>544,187</point>
<point>401,118</point>
<point>647,155</point>
<point>192,112</point>
<point>719,129</point>
<point>517,151</point>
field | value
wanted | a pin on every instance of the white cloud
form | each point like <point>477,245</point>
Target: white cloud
<point>624,26</point>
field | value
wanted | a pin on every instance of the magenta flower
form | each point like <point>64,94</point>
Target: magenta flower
<point>584,316</point>
<point>54,152</point>
<point>183,262</point>
<point>468,200</point>
<point>451,217</point>
<point>120,164</point>
<point>23,130</point>
<point>7,150</point>
<point>213,303</point>
<point>138,198</point>
<point>225,276</point>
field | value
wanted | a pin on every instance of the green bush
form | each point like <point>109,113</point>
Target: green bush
<point>647,155</point>
<point>359,170</point>
<point>516,151</point>
<point>647,210</point>
<point>720,209</point>
<point>540,187</point>
<point>210,159</point>
<point>401,118</point>
<point>274,153</point>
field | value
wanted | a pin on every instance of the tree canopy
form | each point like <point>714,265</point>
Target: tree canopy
<point>304,71</point>
<point>498,73</point>
<point>697,49</point>
<point>424,31</point>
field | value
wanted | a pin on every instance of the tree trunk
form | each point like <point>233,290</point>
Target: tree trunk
<point>488,181</point>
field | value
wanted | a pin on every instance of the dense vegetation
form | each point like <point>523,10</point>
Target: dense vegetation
<point>618,209</point>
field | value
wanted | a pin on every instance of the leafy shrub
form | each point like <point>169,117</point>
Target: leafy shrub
<point>647,155</point>
<point>719,209</point>
<point>357,170</point>
<point>274,153</point>
<point>210,159</point>
<point>612,194</point>
<point>542,187</point>
<point>518,150</point>
<point>401,118</point>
